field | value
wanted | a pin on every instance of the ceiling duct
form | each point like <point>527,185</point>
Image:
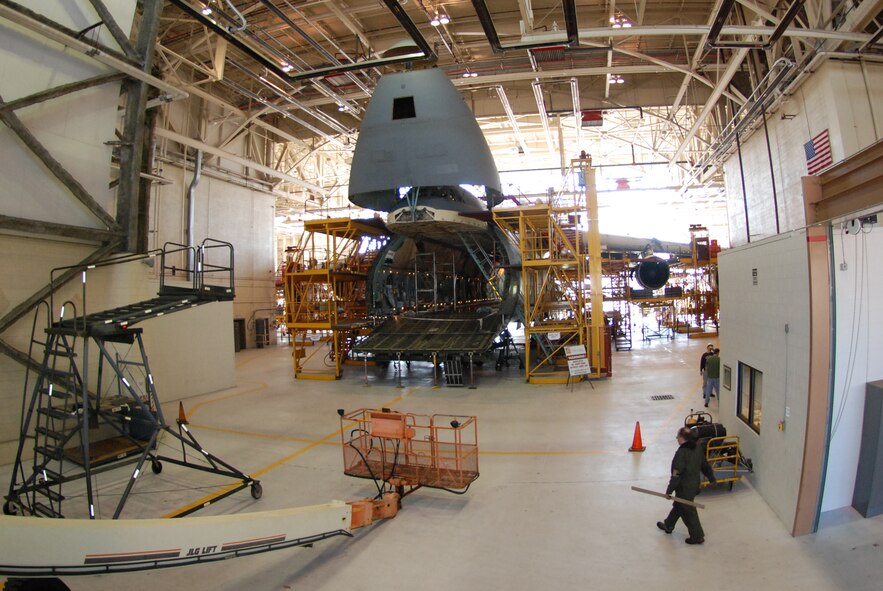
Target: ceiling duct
<point>490,31</point>
<point>557,54</point>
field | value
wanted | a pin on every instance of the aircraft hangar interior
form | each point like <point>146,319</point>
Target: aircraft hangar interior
<point>441,294</point>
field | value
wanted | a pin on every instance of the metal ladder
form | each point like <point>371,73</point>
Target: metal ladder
<point>482,259</point>
<point>454,371</point>
<point>56,413</point>
<point>622,324</point>
<point>425,280</point>
<point>59,411</point>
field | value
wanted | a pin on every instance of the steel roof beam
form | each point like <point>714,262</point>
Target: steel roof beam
<point>732,68</point>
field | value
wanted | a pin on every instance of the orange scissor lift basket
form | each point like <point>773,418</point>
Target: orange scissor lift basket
<point>409,451</point>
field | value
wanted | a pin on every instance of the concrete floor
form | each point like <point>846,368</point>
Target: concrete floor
<point>552,508</point>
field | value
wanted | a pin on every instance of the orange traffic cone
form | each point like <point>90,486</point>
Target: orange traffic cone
<point>182,418</point>
<point>636,442</point>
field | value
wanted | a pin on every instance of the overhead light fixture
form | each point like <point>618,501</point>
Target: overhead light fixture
<point>470,74</point>
<point>440,18</point>
<point>286,67</point>
<point>206,10</point>
<point>619,21</point>
<point>615,79</point>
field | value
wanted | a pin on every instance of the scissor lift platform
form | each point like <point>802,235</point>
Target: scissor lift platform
<point>408,450</point>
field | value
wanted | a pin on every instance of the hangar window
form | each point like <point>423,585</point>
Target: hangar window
<point>750,396</point>
<point>403,108</point>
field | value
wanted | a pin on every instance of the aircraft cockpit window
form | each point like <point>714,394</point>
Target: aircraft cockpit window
<point>403,108</point>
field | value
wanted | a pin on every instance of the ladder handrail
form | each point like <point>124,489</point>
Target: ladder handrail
<point>125,258</point>
<point>31,354</point>
<point>203,267</point>
<point>166,251</point>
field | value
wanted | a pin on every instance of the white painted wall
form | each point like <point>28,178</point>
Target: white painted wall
<point>859,354</point>
<point>753,331</point>
<point>73,127</point>
<point>847,99</point>
<point>26,263</point>
<point>190,352</point>
<point>241,216</point>
<point>836,98</point>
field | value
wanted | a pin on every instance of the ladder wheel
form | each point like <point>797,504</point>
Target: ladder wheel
<point>257,491</point>
<point>9,508</point>
<point>156,466</point>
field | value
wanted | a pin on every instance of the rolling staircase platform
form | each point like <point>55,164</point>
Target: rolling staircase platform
<point>117,321</point>
<point>75,427</point>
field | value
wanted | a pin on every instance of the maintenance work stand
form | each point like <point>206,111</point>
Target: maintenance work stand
<point>65,406</point>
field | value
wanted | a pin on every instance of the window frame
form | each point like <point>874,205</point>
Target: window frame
<point>749,396</point>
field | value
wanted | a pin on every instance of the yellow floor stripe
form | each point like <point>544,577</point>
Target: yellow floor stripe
<point>209,498</point>
<point>197,427</point>
<point>312,444</point>
<point>197,406</point>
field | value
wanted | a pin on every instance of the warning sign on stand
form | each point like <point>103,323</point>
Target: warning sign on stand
<point>577,361</point>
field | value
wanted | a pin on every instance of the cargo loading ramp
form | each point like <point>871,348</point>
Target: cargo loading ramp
<point>437,333</point>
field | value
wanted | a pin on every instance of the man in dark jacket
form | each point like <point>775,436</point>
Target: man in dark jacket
<point>709,351</point>
<point>686,467</point>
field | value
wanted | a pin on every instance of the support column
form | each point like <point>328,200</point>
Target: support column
<point>816,439</point>
<point>132,146</point>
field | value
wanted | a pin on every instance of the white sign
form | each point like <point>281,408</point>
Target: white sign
<point>553,336</point>
<point>577,360</point>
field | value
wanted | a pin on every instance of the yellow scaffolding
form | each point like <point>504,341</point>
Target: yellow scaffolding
<point>698,277</point>
<point>325,285</point>
<point>561,278</point>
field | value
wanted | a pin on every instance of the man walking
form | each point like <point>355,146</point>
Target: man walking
<point>712,375</point>
<point>709,351</point>
<point>686,467</point>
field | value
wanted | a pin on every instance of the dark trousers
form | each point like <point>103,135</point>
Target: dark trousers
<point>690,516</point>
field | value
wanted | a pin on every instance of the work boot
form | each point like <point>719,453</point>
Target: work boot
<point>664,527</point>
<point>695,540</point>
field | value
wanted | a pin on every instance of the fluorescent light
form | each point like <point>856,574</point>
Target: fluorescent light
<point>206,10</point>
<point>620,21</point>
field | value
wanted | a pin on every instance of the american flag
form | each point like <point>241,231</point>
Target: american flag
<point>818,153</point>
